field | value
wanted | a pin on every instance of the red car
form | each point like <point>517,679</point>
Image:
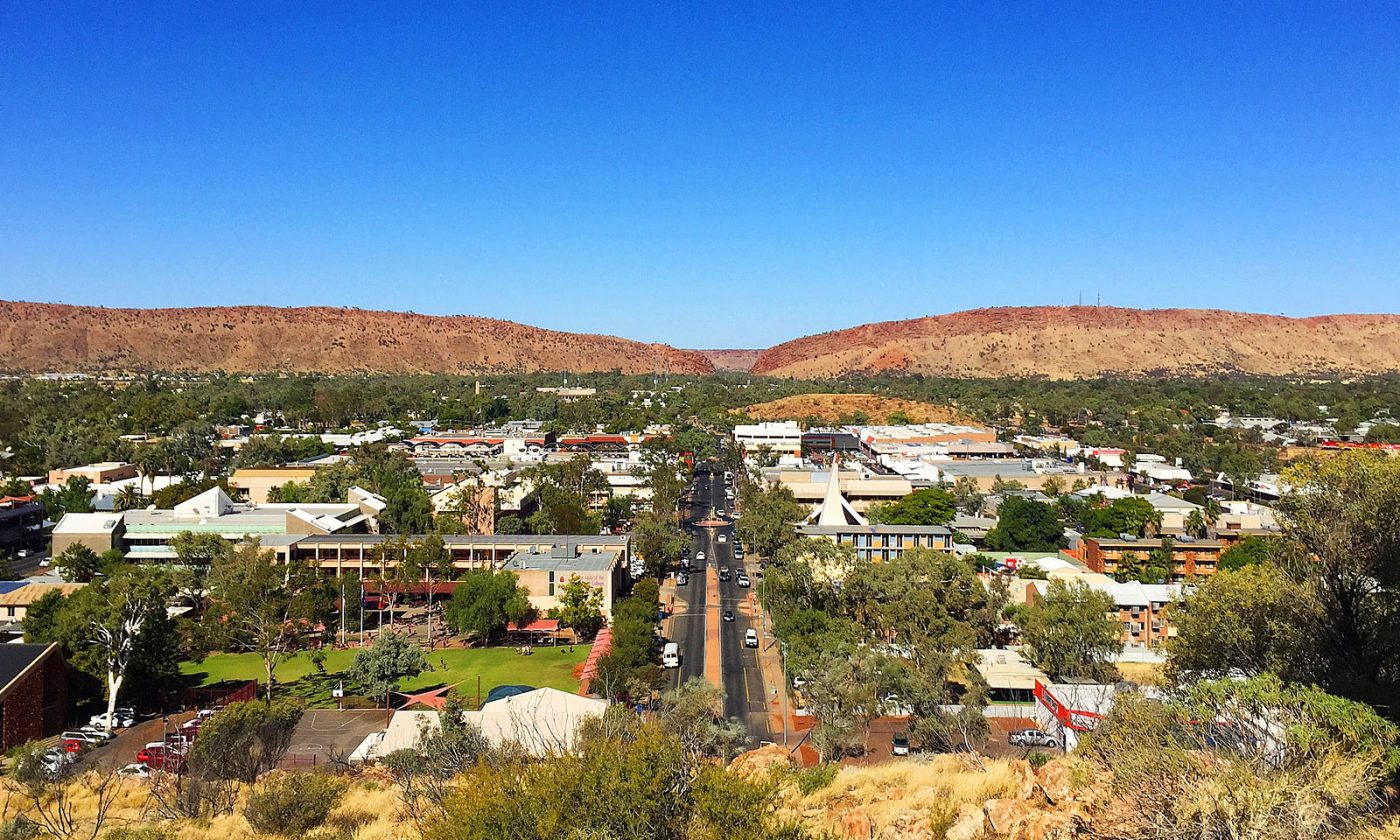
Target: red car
<point>161,757</point>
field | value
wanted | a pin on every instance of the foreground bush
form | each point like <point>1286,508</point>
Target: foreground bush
<point>293,804</point>
<point>1256,758</point>
<point>628,779</point>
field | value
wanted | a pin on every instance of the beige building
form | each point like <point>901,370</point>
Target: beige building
<point>15,603</point>
<point>98,531</point>
<point>252,485</point>
<point>105,472</point>
<point>544,574</point>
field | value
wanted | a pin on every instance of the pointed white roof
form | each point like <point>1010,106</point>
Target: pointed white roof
<point>212,502</point>
<point>834,509</point>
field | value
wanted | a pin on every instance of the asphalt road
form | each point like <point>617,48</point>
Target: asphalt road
<point>688,630</point>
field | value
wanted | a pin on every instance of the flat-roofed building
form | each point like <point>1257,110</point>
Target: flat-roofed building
<point>783,437</point>
<point>882,543</point>
<point>1193,558</point>
<point>336,554</point>
<point>545,572</point>
<point>873,437</point>
<point>104,472</point>
<point>21,524</point>
<point>98,531</point>
<point>252,485</point>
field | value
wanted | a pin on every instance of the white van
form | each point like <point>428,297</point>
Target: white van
<point>671,655</point>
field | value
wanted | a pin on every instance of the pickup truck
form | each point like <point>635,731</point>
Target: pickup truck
<point>1031,738</point>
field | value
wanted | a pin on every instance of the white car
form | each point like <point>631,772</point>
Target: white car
<point>723,538</point>
<point>744,581</point>
<point>750,638</point>
<point>700,555</point>
<point>135,771</point>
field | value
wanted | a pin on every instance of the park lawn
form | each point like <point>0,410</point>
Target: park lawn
<point>551,667</point>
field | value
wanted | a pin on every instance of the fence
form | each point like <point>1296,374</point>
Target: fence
<point>214,696</point>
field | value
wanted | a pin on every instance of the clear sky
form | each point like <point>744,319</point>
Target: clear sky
<point>704,175</point>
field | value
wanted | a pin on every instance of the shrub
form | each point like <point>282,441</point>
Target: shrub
<point>141,832</point>
<point>1038,759</point>
<point>293,804</point>
<point>813,779</point>
<point>19,828</point>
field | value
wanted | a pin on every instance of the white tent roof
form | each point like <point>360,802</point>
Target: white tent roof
<point>543,721</point>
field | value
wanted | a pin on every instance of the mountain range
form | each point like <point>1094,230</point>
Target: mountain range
<point>1053,342</point>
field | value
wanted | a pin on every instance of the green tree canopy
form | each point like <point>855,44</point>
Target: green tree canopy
<point>485,601</point>
<point>389,659</point>
<point>929,506</point>
<point>1069,632</point>
<point>1025,525</point>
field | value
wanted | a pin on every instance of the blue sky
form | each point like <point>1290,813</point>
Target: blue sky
<point>705,175</point>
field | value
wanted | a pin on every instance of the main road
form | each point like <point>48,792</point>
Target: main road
<point>746,697</point>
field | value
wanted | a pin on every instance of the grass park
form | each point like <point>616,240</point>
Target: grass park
<point>548,666</point>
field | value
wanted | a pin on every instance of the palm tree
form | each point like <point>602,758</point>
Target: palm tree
<point>1196,523</point>
<point>128,498</point>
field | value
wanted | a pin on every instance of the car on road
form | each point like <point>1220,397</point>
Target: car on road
<point>699,555</point>
<point>671,655</point>
<point>1031,738</point>
<point>722,538</point>
<point>720,513</point>
<point>751,638</point>
<point>161,756</point>
<point>682,579</point>
<point>900,745</point>
<point>724,574</point>
<point>120,718</point>
<point>728,615</point>
<point>88,738</point>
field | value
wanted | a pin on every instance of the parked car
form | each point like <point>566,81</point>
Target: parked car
<point>900,745</point>
<point>682,580</point>
<point>750,638</point>
<point>162,756</point>
<point>1032,738</point>
<point>137,771</point>
<point>722,538</point>
<point>90,738</point>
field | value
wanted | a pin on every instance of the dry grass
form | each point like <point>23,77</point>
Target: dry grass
<point>370,810</point>
<point>889,795</point>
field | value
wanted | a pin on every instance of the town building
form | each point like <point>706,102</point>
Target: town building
<point>98,531</point>
<point>33,693</point>
<point>782,437</point>
<point>146,535</point>
<point>21,524</point>
<point>882,543</point>
<point>105,472</point>
<point>859,489</point>
<point>252,485</point>
<point>1190,558</point>
<point>874,438</point>
<point>544,573</point>
<point>336,554</point>
<point>15,603</point>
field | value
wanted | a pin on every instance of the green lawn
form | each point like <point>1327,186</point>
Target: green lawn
<point>548,666</point>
